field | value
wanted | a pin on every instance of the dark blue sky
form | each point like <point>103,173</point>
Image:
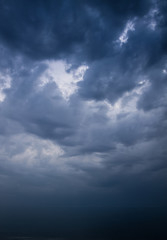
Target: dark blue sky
<point>83,119</point>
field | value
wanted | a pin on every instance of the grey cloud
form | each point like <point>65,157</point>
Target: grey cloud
<point>102,150</point>
<point>155,96</point>
<point>54,36</point>
<point>42,112</point>
<point>109,79</point>
<point>82,127</point>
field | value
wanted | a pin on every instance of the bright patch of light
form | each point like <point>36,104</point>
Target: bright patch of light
<point>79,73</point>
<point>124,36</point>
<point>66,81</point>
<point>141,82</point>
<point>164,71</point>
<point>5,83</point>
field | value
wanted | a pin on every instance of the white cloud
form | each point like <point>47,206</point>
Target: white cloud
<point>5,83</point>
<point>124,36</point>
<point>66,81</point>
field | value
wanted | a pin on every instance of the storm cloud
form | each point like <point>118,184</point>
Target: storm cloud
<point>83,119</point>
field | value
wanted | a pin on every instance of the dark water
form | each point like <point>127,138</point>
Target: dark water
<point>86,224</point>
<point>27,238</point>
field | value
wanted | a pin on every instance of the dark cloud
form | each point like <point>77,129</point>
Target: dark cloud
<point>38,29</point>
<point>83,119</point>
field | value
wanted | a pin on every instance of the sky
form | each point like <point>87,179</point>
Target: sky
<point>83,119</point>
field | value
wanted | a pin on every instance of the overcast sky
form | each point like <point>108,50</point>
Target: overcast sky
<point>83,118</point>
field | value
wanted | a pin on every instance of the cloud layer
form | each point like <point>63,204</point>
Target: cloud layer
<point>83,97</point>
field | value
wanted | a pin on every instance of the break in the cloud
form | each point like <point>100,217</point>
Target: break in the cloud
<point>83,93</point>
